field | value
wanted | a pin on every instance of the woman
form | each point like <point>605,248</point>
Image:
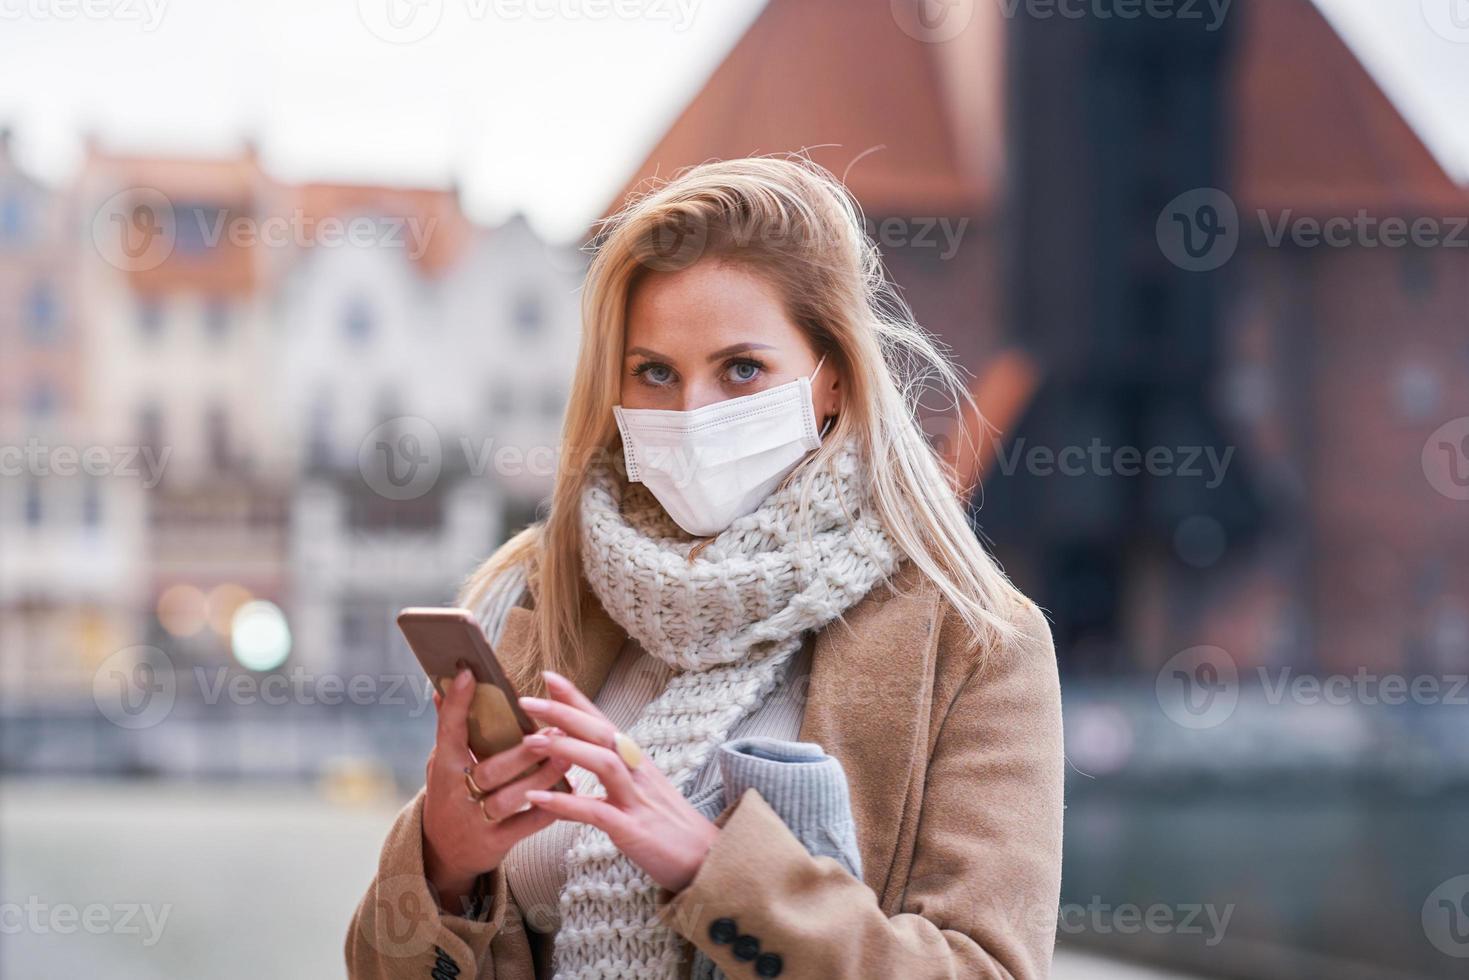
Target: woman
<point>749,536</point>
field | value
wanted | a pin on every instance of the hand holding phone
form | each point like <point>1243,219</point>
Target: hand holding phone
<point>446,639</point>
<point>481,736</point>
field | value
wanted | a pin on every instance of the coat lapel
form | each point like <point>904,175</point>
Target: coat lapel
<point>869,704</point>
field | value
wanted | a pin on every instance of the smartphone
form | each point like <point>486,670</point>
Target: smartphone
<point>445,640</point>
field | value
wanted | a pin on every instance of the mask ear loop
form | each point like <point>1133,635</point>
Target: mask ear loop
<point>812,380</point>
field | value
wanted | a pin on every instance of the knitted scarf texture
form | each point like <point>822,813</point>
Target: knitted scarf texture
<point>727,622</point>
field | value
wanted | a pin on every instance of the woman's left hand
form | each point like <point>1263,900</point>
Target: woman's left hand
<point>645,816</point>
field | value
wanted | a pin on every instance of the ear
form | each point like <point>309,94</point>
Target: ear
<point>829,393</point>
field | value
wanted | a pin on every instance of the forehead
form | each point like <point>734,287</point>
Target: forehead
<point>706,306</point>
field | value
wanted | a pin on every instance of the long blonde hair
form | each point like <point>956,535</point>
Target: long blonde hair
<point>792,222</point>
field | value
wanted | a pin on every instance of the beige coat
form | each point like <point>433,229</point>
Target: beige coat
<point>954,759</point>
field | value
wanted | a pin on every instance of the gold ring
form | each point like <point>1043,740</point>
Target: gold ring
<point>485,813</point>
<point>475,793</point>
<point>628,750</point>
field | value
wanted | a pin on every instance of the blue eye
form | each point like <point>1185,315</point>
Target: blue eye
<point>654,374</point>
<point>743,372</point>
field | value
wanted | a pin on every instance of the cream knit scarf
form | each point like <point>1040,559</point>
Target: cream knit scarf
<point>727,622</point>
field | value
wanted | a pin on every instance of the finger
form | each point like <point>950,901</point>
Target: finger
<point>605,763</point>
<point>510,798</point>
<point>521,825</point>
<point>563,690</point>
<point>453,730</point>
<point>573,721</point>
<point>500,768</point>
<point>582,809</point>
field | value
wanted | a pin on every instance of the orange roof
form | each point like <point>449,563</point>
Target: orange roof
<point>239,186</point>
<point>439,220</point>
<point>920,125</point>
<point>1314,132</point>
<point>1311,129</point>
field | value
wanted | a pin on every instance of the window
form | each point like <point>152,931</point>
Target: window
<point>41,401</point>
<point>41,317</point>
<point>150,428</point>
<point>200,227</point>
<point>12,219</point>
<point>33,503</point>
<point>217,316</point>
<point>529,312</point>
<point>357,320</point>
<point>502,400</point>
<point>1418,274</point>
<point>217,437</point>
<point>150,316</point>
<point>319,431</point>
<point>91,505</point>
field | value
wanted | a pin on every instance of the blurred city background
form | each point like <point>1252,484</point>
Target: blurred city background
<point>1206,262</point>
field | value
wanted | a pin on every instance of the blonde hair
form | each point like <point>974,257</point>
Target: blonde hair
<point>792,222</point>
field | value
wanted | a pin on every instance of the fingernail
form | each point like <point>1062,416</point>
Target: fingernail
<point>537,795</point>
<point>464,679</point>
<point>532,704</point>
<point>537,741</point>
<point>551,675</point>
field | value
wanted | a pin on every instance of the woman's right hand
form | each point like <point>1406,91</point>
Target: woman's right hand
<point>459,843</point>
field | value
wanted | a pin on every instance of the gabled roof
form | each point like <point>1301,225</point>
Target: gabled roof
<point>440,222</point>
<point>1311,129</point>
<point>912,127</point>
<point>1314,132</point>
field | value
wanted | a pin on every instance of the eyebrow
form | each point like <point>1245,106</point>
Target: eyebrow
<point>718,355</point>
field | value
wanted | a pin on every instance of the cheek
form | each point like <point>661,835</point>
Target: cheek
<point>633,394</point>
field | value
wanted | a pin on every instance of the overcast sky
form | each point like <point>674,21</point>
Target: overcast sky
<point>534,113</point>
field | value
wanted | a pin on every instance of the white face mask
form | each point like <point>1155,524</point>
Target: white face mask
<point>714,464</point>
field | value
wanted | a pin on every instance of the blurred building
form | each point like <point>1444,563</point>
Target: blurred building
<point>1013,171</point>
<point>332,398</point>
<point>69,550</point>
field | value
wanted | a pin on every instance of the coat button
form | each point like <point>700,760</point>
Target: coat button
<point>768,965</point>
<point>746,948</point>
<point>723,931</point>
